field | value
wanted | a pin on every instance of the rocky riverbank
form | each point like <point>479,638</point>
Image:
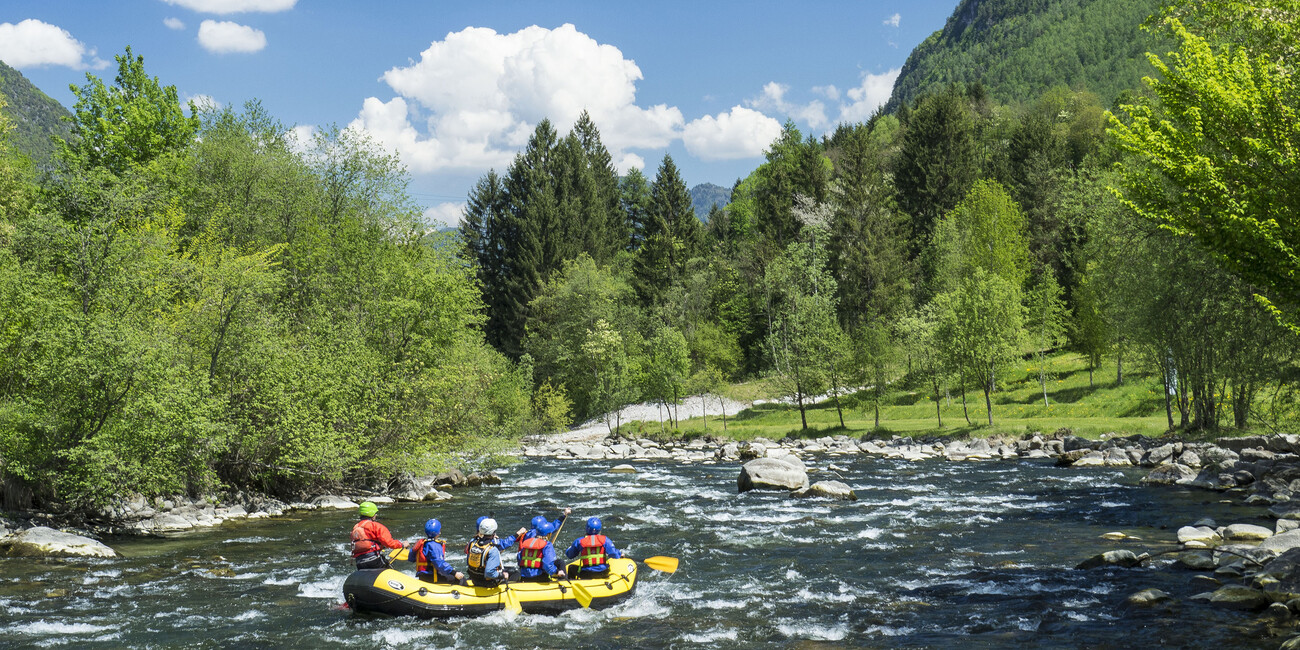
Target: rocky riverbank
<point>32,533</point>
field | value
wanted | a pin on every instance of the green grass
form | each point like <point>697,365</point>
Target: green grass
<point>1135,406</point>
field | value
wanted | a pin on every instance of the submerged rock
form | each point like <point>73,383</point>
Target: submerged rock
<point>621,469</point>
<point>828,490</point>
<point>1122,558</point>
<point>1239,597</point>
<point>1149,598</point>
<point>47,542</point>
<point>771,474</point>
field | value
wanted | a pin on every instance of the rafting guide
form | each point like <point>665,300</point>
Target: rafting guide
<point>600,577</point>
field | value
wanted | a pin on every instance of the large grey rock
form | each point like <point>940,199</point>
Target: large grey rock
<point>790,459</point>
<point>1282,542</point>
<point>1159,455</point>
<point>47,542</point>
<point>1091,459</point>
<point>1189,458</point>
<point>828,490</point>
<point>621,469</point>
<point>1239,597</point>
<point>770,474</point>
<point>169,523</point>
<point>1122,558</point>
<point>1196,561</point>
<point>1203,534</point>
<point>1246,532</point>
<point>752,450</point>
<point>1280,577</point>
<point>332,502</point>
<point>1170,474</point>
<point>452,477</point>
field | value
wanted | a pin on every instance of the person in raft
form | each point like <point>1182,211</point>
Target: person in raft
<point>430,557</point>
<point>593,551</point>
<point>537,556</point>
<point>484,556</point>
<point>370,538</point>
<point>541,519</point>
<point>501,544</point>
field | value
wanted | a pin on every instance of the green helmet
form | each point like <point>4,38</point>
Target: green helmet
<point>368,509</point>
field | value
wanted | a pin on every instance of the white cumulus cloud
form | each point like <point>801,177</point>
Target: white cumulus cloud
<point>739,133</point>
<point>869,95</point>
<point>234,6</point>
<point>444,214</point>
<point>223,37</point>
<point>201,102</point>
<point>773,101</point>
<point>174,23</point>
<point>33,43</point>
<point>472,99</point>
<point>893,20</point>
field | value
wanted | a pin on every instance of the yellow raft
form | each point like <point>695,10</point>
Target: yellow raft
<point>388,591</point>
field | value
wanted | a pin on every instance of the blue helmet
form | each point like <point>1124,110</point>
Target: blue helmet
<point>593,526</point>
<point>546,528</point>
<point>538,521</point>
<point>432,528</point>
<point>479,522</point>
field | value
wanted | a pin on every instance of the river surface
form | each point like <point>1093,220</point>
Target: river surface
<point>933,554</point>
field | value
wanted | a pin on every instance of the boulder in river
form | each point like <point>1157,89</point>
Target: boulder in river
<point>828,490</point>
<point>621,469</point>
<point>168,523</point>
<point>1246,532</point>
<point>770,474</point>
<point>1122,558</point>
<point>47,542</point>
<point>1239,597</point>
<point>1282,542</point>
<point>1203,534</point>
<point>1149,598</point>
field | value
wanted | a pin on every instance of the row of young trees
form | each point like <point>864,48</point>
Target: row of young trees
<point>932,247</point>
<point>196,301</point>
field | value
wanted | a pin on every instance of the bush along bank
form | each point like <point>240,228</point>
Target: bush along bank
<point>167,516</point>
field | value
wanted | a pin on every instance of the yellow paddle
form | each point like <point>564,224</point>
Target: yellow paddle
<point>512,600</point>
<point>399,555</point>
<point>662,563</point>
<point>581,594</point>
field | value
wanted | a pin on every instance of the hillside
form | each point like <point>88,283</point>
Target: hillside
<point>1019,48</point>
<point>34,114</point>
<point>705,195</point>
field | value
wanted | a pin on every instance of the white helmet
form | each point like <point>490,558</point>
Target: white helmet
<point>487,527</point>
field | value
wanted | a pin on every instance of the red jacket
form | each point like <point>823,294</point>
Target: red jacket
<point>369,535</point>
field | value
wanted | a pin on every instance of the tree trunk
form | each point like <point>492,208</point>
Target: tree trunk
<point>839,410</point>
<point>1042,377</point>
<point>1169,411</point>
<point>722,404</point>
<point>988,402</point>
<point>1119,364</point>
<point>803,416</point>
<point>938,415</point>
<point>964,410</point>
<point>1090,367</point>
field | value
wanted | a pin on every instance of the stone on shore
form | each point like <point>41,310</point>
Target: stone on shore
<point>770,474</point>
<point>621,469</point>
<point>1282,542</point>
<point>1171,474</point>
<point>1203,534</point>
<point>1239,597</point>
<point>168,523</point>
<point>827,490</point>
<point>1246,532</point>
<point>332,502</point>
<point>47,542</point>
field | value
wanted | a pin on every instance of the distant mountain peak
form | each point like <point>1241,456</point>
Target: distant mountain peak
<point>34,115</point>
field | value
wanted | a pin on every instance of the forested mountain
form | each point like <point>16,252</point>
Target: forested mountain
<point>1019,48</point>
<point>33,114</point>
<point>706,195</point>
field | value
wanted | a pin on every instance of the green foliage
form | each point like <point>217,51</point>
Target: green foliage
<point>985,232</point>
<point>1215,159</point>
<point>130,123</point>
<point>1019,48</point>
<point>39,121</point>
<point>980,327</point>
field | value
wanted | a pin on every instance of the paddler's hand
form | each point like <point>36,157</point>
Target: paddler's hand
<point>520,534</point>
<point>559,575</point>
<point>567,512</point>
<point>460,576</point>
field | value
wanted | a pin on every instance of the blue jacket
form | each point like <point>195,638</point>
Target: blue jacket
<point>437,560</point>
<point>506,543</point>
<point>548,563</point>
<point>610,552</point>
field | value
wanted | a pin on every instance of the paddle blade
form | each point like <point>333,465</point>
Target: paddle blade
<point>512,601</point>
<point>662,563</point>
<point>581,593</point>
<point>398,555</point>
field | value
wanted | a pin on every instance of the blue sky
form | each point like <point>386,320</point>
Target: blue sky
<point>455,87</point>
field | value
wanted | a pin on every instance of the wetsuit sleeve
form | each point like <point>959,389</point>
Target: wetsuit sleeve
<point>492,569</point>
<point>548,560</point>
<point>558,522</point>
<point>506,543</point>
<point>440,562</point>
<point>573,549</point>
<point>386,538</point>
<point>610,551</point>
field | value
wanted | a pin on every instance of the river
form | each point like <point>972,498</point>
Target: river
<point>932,554</point>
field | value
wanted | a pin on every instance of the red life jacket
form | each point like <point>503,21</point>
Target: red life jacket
<point>422,564</point>
<point>531,552</point>
<point>593,551</point>
<point>366,537</point>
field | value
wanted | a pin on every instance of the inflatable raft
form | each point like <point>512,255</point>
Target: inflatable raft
<point>388,591</point>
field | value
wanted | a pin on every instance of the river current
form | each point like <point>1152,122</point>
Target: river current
<point>932,554</point>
